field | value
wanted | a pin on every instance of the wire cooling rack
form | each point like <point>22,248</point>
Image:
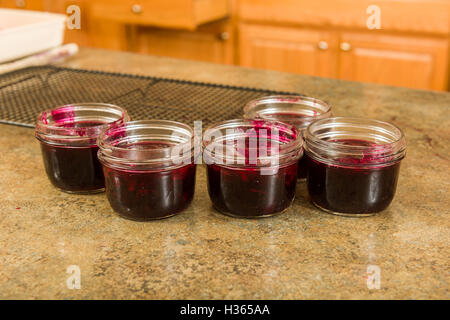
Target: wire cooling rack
<point>27,92</point>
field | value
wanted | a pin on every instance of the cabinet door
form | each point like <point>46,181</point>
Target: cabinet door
<point>92,32</point>
<point>211,42</point>
<point>304,51</point>
<point>415,62</point>
<point>79,36</point>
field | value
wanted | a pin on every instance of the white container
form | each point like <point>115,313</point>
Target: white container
<point>25,32</point>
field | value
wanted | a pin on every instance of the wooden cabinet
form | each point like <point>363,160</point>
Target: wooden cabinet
<point>177,28</point>
<point>411,49</point>
<point>371,56</point>
<point>304,51</point>
<point>92,32</point>
<point>79,36</point>
<point>327,38</point>
<point>409,61</point>
<point>415,62</point>
<point>119,25</point>
<point>212,42</point>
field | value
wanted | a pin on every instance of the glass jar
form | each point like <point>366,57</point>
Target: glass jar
<point>68,137</point>
<point>149,168</point>
<point>252,166</point>
<point>298,111</point>
<point>353,164</point>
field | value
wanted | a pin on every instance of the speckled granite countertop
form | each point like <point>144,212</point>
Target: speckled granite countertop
<point>201,254</point>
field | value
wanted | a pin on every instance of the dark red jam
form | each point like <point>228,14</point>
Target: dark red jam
<point>302,170</point>
<point>246,192</point>
<point>68,137</point>
<point>73,169</point>
<point>148,195</point>
<point>249,188</point>
<point>350,187</point>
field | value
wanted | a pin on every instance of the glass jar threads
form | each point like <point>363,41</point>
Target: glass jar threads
<point>251,166</point>
<point>68,137</point>
<point>298,111</point>
<point>149,168</point>
<point>353,164</point>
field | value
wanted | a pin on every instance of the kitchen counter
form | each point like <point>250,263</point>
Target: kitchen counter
<point>200,254</point>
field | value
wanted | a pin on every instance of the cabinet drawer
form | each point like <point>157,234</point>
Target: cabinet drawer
<point>421,16</point>
<point>23,4</point>
<point>176,14</point>
<point>212,42</point>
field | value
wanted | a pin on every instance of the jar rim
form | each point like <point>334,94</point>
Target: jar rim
<point>389,143</point>
<point>112,153</point>
<point>263,108</point>
<point>292,150</point>
<point>57,134</point>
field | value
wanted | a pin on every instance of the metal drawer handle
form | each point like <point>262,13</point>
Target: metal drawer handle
<point>322,45</point>
<point>345,46</point>
<point>20,3</point>
<point>224,36</point>
<point>136,8</point>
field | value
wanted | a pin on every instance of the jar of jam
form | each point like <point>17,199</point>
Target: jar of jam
<point>298,111</point>
<point>149,168</point>
<point>252,166</point>
<point>353,164</point>
<point>68,137</point>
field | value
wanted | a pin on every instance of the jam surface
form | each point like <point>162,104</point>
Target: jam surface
<point>245,192</point>
<point>73,169</point>
<point>261,180</point>
<point>148,195</point>
<point>348,189</point>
